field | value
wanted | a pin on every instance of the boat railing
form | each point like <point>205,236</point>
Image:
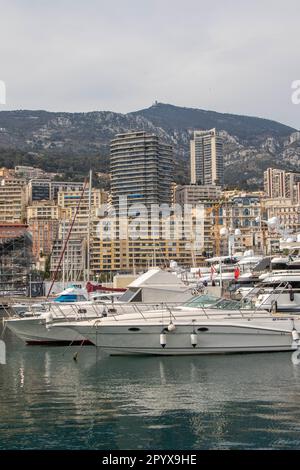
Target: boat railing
<point>92,311</point>
<point>168,315</point>
<point>253,292</point>
<point>282,286</point>
<point>80,312</point>
<point>139,308</point>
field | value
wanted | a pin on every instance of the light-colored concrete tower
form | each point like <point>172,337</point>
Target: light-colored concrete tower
<point>141,168</point>
<point>206,151</point>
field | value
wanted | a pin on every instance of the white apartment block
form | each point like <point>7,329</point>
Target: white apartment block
<point>206,154</point>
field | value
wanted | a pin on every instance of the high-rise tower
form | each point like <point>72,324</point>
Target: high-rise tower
<point>206,151</point>
<point>141,169</point>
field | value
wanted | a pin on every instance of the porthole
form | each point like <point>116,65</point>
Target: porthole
<point>133,329</point>
<point>203,329</point>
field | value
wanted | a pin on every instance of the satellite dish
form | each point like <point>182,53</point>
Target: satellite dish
<point>273,222</point>
<point>224,232</point>
<point>173,264</point>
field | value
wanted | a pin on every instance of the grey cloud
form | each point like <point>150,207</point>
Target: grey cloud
<point>229,56</point>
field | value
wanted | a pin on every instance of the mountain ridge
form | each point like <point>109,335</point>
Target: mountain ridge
<point>73,142</point>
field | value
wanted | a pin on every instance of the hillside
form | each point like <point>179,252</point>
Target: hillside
<point>73,142</point>
<point>249,129</point>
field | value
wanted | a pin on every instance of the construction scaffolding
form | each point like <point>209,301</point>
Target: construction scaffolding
<point>15,258</point>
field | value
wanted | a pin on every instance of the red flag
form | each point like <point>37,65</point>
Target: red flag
<point>237,272</point>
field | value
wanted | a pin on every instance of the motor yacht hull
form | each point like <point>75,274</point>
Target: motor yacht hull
<point>211,338</point>
<point>34,331</point>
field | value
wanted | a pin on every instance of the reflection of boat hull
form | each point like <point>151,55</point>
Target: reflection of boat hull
<point>34,331</point>
<point>212,338</point>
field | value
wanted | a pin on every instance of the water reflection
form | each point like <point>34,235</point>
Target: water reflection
<point>48,400</point>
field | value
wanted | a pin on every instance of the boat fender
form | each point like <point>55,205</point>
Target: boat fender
<point>292,297</point>
<point>163,340</point>
<point>48,319</point>
<point>295,335</point>
<point>171,327</point>
<point>194,339</point>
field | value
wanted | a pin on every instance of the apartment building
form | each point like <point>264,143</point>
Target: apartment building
<point>194,194</point>
<point>44,233</point>
<point>141,169</point>
<point>206,155</point>
<point>282,184</point>
<point>13,199</point>
<point>69,199</point>
<point>39,190</point>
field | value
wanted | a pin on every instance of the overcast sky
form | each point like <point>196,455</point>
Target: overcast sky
<point>236,56</point>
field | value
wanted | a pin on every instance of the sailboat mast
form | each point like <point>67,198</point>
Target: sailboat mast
<point>89,229</point>
<point>67,240</point>
<point>64,258</point>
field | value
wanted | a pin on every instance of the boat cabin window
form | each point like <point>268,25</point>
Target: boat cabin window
<point>70,298</point>
<point>106,298</point>
<point>131,296</point>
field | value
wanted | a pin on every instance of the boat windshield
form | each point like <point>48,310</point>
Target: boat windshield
<point>225,304</point>
<point>211,301</point>
<point>202,301</point>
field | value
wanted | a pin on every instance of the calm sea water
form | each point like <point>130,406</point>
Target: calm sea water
<point>49,401</point>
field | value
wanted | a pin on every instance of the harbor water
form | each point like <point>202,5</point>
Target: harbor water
<point>50,401</point>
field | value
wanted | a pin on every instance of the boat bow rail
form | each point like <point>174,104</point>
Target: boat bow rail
<point>181,316</point>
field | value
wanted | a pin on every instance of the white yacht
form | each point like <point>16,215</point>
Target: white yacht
<point>224,327</point>
<point>69,295</point>
<point>148,291</point>
<point>280,291</point>
<point>222,270</point>
<point>34,328</point>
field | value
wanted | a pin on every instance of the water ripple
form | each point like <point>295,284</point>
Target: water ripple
<point>224,402</point>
